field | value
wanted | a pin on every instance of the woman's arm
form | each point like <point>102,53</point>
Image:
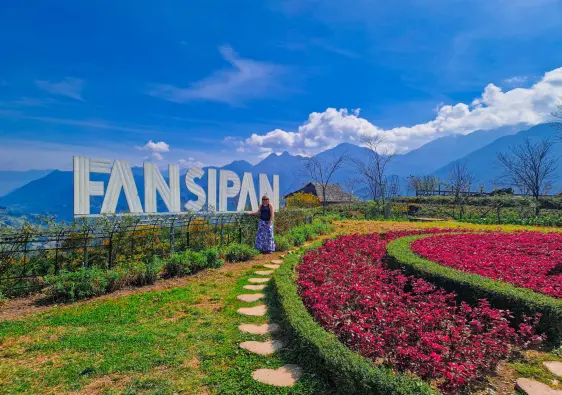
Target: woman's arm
<point>254,212</point>
<point>272,212</point>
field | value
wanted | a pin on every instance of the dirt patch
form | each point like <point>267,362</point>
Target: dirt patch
<point>101,384</point>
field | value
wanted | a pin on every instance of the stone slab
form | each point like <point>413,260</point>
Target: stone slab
<point>250,297</point>
<point>554,367</point>
<point>285,376</point>
<point>259,329</point>
<point>258,280</point>
<point>264,272</point>
<point>254,287</point>
<point>267,347</point>
<point>257,311</point>
<point>270,266</point>
<point>532,387</point>
<point>277,261</point>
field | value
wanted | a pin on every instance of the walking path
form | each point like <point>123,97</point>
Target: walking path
<point>287,375</point>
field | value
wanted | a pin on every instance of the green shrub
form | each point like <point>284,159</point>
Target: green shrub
<point>472,287</point>
<point>213,258</point>
<point>323,351</point>
<point>138,273</point>
<point>296,237</point>
<point>240,252</point>
<point>177,265</point>
<point>197,260</point>
<point>282,243</point>
<point>81,284</point>
<point>3,299</point>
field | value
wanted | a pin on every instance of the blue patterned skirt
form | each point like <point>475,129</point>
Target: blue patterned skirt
<point>264,238</point>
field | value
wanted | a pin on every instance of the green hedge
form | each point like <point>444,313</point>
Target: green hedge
<point>349,371</point>
<point>472,287</point>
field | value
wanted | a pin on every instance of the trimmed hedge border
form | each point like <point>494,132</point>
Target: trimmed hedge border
<point>350,372</point>
<point>472,287</point>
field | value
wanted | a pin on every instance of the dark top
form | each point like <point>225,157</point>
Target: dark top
<point>265,213</point>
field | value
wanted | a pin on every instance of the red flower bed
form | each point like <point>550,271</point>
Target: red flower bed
<point>526,259</point>
<point>402,321</point>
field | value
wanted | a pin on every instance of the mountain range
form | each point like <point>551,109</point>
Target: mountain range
<point>51,192</point>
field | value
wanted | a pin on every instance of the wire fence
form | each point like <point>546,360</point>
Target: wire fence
<point>29,253</point>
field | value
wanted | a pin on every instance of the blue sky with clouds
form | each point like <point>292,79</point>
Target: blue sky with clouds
<point>210,82</point>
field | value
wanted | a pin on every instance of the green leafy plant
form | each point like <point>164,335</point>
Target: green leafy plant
<point>240,252</point>
<point>197,260</point>
<point>81,284</point>
<point>177,265</point>
<point>213,258</point>
<point>282,243</point>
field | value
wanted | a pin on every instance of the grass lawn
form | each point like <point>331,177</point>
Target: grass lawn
<point>180,340</point>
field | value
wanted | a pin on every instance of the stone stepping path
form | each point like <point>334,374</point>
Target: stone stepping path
<point>267,347</point>
<point>285,376</point>
<point>257,311</point>
<point>259,329</point>
<point>264,272</point>
<point>254,287</point>
<point>532,387</point>
<point>250,297</point>
<point>554,367</point>
<point>258,280</point>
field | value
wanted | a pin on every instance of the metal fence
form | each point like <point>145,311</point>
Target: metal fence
<point>31,252</point>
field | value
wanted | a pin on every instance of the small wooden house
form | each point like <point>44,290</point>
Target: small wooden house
<point>334,193</point>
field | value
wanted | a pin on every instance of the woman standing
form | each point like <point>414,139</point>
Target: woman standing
<point>264,238</point>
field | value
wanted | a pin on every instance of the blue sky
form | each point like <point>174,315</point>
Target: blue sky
<point>214,81</point>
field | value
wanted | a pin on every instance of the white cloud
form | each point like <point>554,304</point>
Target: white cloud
<point>190,162</point>
<point>156,149</point>
<point>516,81</point>
<point>69,87</point>
<point>494,109</point>
<point>247,80</point>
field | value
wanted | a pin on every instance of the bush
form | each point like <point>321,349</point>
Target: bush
<point>296,237</point>
<point>240,253</point>
<point>3,299</point>
<point>473,287</point>
<point>177,265</point>
<point>325,352</point>
<point>197,260</point>
<point>282,243</point>
<point>81,284</point>
<point>213,258</point>
<point>137,273</point>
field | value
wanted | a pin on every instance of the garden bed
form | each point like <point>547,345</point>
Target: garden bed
<point>323,351</point>
<point>353,305</point>
<point>472,287</point>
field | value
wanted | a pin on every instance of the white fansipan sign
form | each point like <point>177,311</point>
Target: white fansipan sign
<point>121,179</point>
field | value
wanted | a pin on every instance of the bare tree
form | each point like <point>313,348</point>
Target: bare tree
<point>460,179</point>
<point>349,185</point>
<point>322,171</point>
<point>530,166</point>
<point>372,170</point>
<point>423,185</point>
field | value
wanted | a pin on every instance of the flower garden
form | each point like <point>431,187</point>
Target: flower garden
<point>359,307</point>
<point>371,292</point>
<point>526,259</point>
